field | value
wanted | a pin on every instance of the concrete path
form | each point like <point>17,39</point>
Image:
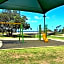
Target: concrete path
<point>29,39</point>
<point>1,44</point>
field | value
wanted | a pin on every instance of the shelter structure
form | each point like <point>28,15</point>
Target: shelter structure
<point>2,1</point>
<point>39,6</point>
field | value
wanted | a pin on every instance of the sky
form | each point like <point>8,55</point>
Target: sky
<point>54,18</point>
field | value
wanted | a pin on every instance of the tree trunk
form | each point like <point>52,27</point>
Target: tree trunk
<point>11,32</point>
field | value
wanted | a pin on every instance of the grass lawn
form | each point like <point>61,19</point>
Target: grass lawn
<point>41,55</point>
<point>55,37</point>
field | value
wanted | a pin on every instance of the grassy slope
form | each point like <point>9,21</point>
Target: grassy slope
<point>41,55</point>
<point>54,37</point>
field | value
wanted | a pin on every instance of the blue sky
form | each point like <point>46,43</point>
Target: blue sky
<point>54,18</point>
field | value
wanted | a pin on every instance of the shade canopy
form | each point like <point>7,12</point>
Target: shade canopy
<point>2,1</point>
<point>39,6</point>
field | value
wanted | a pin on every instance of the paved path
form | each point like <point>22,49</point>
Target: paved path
<point>18,38</point>
<point>29,39</point>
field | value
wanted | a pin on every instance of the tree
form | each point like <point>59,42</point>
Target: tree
<point>13,16</point>
<point>63,30</point>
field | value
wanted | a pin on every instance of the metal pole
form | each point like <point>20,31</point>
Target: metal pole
<point>44,22</point>
<point>22,34</point>
<point>39,32</point>
<point>46,30</point>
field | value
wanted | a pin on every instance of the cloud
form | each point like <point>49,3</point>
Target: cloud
<point>27,21</point>
<point>28,18</point>
<point>33,21</point>
<point>48,17</point>
<point>36,17</point>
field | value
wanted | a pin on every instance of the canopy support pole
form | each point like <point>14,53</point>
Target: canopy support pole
<point>21,28</point>
<point>40,32</point>
<point>44,22</point>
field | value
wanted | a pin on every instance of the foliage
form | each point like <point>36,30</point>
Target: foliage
<point>63,30</point>
<point>12,16</point>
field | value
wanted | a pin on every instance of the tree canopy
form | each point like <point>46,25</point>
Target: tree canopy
<point>12,16</point>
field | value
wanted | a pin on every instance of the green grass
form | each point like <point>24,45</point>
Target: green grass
<point>55,37</point>
<point>40,55</point>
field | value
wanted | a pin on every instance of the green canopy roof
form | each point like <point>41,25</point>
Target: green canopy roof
<point>39,6</point>
<point>2,1</point>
